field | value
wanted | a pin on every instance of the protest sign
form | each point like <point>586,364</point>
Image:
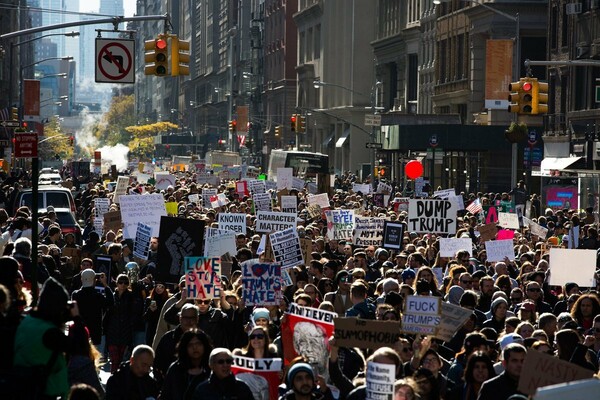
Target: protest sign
<point>261,283</point>
<point>298,183</point>
<point>179,238</point>
<point>262,202</point>
<point>202,277</point>
<point>401,204</point>
<point>508,220</point>
<point>206,195</point>
<point>452,319</point>
<point>259,372</point>
<point>217,242</point>
<point>121,188</point>
<point>380,381</point>
<point>364,188</point>
<point>101,206</point>
<point>487,232</point>
<point>321,199</point>
<point>171,208</point>
<point>364,333</point>
<point>284,178</point>
<point>392,235</point>
<point>498,250</point>
<point>305,331</point>
<point>584,389</point>
<point>432,216</point>
<point>383,187</point>
<point>307,248</point>
<point>504,234</point>
<point>314,210</point>
<point>562,271</point>
<point>222,199</point>
<point>449,246</point>
<point>112,221</point>
<point>540,369</point>
<point>421,314</point>
<point>232,222</point>
<point>312,187</point>
<point>73,254</point>
<point>267,222</point>
<point>286,277</point>
<point>99,226</point>
<point>491,214</point>
<point>537,229</point>
<point>257,186</point>
<point>147,209</point>
<point>444,193</point>
<point>340,224</point>
<point>368,231</point>
<point>289,204</point>
<point>194,198</point>
<point>164,180</point>
<point>380,199</point>
<point>286,247</point>
<point>241,187</point>
<point>142,241</point>
<point>103,265</point>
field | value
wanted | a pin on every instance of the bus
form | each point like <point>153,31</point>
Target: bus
<point>304,163</point>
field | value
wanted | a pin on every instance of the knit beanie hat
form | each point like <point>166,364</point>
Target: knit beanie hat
<point>454,295</point>
<point>261,313</point>
<point>496,303</point>
<point>299,367</point>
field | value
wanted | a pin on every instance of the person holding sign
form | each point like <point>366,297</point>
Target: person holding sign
<point>302,386</point>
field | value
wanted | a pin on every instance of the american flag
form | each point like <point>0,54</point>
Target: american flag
<point>475,207</point>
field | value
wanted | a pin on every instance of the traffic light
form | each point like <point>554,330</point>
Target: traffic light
<point>232,125</point>
<point>514,97</point>
<point>521,96</point>
<point>302,124</point>
<point>14,113</point>
<point>180,56</point>
<point>278,130</point>
<point>71,140</point>
<point>156,59</point>
<point>293,122</point>
<point>221,141</point>
<point>540,97</point>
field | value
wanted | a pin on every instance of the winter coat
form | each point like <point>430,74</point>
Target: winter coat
<point>229,388</point>
<point>92,306</point>
<point>124,385</point>
<point>82,369</point>
<point>179,384</point>
<point>118,321</point>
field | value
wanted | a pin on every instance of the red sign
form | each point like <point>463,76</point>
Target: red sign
<point>26,145</point>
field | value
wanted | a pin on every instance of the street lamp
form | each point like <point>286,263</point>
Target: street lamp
<point>61,75</point>
<point>514,18</point>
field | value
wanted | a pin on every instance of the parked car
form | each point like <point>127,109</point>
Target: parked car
<point>50,179</point>
<point>55,196</point>
<point>68,223</point>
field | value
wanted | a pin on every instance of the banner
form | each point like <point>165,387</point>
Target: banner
<point>232,222</point>
<point>366,334</point>
<point>141,248</point>
<point>262,373</point>
<point>179,238</point>
<point>218,242</point>
<point>340,224</point>
<point>267,222</point>
<point>261,283</point>
<point>498,71</point>
<point>449,246</point>
<point>368,231</point>
<point>572,265</point>
<point>393,232</point>
<point>202,277</point>
<point>286,247</point>
<point>289,204</point>
<point>498,250</point>
<point>421,314</point>
<point>147,209</point>
<point>380,381</point>
<point>262,202</point>
<point>432,216</point>
<point>306,331</point>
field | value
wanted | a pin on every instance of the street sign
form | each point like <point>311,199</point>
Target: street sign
<point>374,146</point>
<point>26,145</point>
<point>114,60</point>
<point>372,119</point>
<point>10,124</point>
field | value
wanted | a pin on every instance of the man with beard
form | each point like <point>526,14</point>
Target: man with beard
<point>302,386</point>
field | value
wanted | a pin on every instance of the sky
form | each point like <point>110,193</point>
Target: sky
<point>94,5</point>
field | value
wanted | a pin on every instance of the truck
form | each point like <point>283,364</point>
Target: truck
<point>225,158</point>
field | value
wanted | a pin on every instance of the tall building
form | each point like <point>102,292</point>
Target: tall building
<point>87,63</point>
<point>53,12</point>
<point>110,8</point>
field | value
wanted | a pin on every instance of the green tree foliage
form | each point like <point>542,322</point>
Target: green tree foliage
<point>121,114</point>
<point>56,142</point>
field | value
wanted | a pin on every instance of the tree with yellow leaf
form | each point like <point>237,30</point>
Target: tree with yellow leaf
<point>141,144</point>
<point>56,144</point>
<point>112,128</point>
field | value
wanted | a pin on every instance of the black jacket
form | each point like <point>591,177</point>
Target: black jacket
<point>229,388</point>
<point>92,306</point>
<point>124,385</point>
<point>214,323</point>
<point>165,352</point>
<point>179,384</point>
<point>498,388</point>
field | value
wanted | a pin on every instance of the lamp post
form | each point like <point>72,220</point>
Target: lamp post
<point>374,108</point>
<point>230,135</point>
<point>515,19</point>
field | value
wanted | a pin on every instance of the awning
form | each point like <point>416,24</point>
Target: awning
<point>328,140</point>
<point>342,140</point>
<point>557,163</point>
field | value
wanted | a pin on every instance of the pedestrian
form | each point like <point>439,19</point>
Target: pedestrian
<point>222,384</point>
<point>132,381</point>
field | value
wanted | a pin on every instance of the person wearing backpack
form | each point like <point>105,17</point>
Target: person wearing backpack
<point>361,308</point>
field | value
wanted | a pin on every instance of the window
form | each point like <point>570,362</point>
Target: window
<point>317,52</point>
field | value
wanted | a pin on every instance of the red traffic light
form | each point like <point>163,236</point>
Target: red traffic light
<point>527,86</point>
<point>161,44</point>
<point>293,119</point>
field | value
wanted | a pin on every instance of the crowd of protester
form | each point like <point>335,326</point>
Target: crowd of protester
<point>157,343</point>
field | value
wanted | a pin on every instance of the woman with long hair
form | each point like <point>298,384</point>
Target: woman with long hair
<point>83,360</point>
<point>259,345</point>
<point>427,274</point>
<point>190,368</point>
<point>585,309</point>
<point>153,304</point>
<point>474,342</point>
<point>479,369</point>
<point>118,323</point>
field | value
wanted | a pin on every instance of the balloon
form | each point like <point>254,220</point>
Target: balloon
<point>413,169</point>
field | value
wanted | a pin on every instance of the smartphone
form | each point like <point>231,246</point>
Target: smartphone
<point>153,303</point>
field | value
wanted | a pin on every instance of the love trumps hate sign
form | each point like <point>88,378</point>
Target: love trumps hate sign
<point>262,283</point>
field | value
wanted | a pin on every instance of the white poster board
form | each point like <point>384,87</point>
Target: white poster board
<point>449,246</point>
<point>498,250</point>
<point>572,265</point>
<point>284,178</point>
<point>234,222</point>
<point>146,209</point>
<point>508,220</point>
<point>432,216</point>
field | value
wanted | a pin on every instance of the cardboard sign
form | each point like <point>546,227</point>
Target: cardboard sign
<point>498,250</point>
<point>452,319</point>
<point>232,222</point>
<point>508,220</point>
<point>432,216</point>
<point>121,188</point>
<point>393,233</point>
<point>366,334</point>
<point>202,277</point>
<point>261,283</point>
<point>572,265</point>
<point>286,247</point>
<point>251,370</point>
<point>449,246</point>
<point>368,231</point>
<point>112,221</point>
<point>164,180</point>
<point>487,232</point>
<point>421,314</point>
<point>314,210</point>
<point>307,249</point>
<point>284,178</point>
<point>171,208</point>
<point>141,248</point>
<point>218,242</point>
<point>340,224</point>
<point>262,202</point>
<point>206,195</point>
<point>147,209</point>
<point>289,204</point>
<point>267,222</point>
<point>364,188</point>
<point>540,369</point>
<point>380,381</point>
<point>321,199</point>
<point>73,253</point>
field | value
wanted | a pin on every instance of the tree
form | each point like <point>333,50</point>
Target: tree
<point>121,114</point>
<point>141,144</point>
<point>56,143</point>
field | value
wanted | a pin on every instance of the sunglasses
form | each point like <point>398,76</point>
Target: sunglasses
<point>222,361</point>
<point>345,279</point>
<point>205,302</point>
<point>258,336</point>
<point>122,282</point>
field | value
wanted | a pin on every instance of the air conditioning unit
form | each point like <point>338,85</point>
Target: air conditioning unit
<point>574,8</point>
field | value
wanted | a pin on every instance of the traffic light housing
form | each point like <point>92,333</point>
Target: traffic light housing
<point>278,130</point>
<point>14,113</point>
<point>540,97</point>
<point>301,124</point>
<point>180,56</point>
<point>71,140</point>
<point>232,125</point>
<point>156,56</point>
<point>521,96</point>
<point>293,122</point>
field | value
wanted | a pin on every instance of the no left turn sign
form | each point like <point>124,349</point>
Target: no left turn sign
<point>114,60</point>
